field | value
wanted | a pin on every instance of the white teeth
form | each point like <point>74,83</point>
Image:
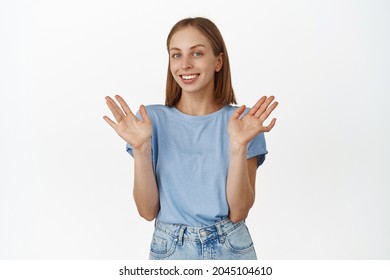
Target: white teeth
<point>189,77</point>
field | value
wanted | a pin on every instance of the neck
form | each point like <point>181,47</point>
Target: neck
<point>197,105</point>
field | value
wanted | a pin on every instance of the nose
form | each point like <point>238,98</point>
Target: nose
<point>186,63</point>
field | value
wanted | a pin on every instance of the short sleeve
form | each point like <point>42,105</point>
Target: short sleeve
<point>257,148</point>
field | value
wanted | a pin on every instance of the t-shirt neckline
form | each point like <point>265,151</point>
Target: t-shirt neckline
<point>184,116</point>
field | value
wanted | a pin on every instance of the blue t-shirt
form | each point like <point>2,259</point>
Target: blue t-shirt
<point>190,161</point>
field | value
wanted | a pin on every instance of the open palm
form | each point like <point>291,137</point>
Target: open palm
<point>243,130</point>
<point>134,131</point>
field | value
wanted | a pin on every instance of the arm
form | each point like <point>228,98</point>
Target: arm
<point>138,134</point>
<point>145,190</point>
<point>240,186</point>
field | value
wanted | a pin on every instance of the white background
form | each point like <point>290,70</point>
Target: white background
<point>66,180</point>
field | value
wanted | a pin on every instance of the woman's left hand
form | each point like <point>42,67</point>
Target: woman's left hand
<point>242,131</point>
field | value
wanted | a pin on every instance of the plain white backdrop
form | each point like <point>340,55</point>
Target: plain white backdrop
<point>66,179</point>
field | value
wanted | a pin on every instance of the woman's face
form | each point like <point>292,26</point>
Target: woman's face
<point>192,61</point>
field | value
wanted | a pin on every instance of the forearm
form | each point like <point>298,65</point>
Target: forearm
<point>145,188</point>
<point>240,194</point>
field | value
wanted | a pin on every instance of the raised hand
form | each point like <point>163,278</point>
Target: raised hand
<point>134,131</point>
<point>242,131</point>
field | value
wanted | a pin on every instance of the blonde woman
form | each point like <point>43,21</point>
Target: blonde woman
<point>196,157</point>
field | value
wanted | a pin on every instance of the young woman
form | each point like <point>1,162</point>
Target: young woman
<point>195,158</point>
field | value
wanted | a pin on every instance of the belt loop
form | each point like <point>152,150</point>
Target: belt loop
<point>220,233</point>
<point>181,234</point>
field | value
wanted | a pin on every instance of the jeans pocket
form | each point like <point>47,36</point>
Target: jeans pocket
<point>239,240</point>
<point>159,245</point>
<point>162,246</point>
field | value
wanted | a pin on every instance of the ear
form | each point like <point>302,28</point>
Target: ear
<point>219,65</point>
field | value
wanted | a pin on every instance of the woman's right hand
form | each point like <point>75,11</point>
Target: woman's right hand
<point>134,131</point>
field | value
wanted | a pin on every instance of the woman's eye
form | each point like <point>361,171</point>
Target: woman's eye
<point>176,55</point>
<point>197,54</point>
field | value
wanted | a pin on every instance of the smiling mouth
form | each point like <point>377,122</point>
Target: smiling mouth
<point>189,77</point>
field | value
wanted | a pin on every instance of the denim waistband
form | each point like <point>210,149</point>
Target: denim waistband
<point>202,234</point>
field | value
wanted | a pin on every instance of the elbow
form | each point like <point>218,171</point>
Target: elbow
<point>237,219</point>
<point>149,218</point>
<point>239,210</point>
<point>238,213</point>
<point>237,216</point>
<point>148,215</point>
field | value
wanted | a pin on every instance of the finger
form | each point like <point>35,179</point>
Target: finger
<point>238,112</point>
<point>270,126</point>
<point>269,110</point>
<point>264,106</point>
<point>144,113</point>
<point>253,110</point>
<point>115,110</point>
<point>124,105</point>
<point>113,102</point>
<point>110,122</point>
<point>114,105</point>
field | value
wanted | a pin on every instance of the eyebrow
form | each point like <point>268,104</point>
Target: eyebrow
<point>193,47</point>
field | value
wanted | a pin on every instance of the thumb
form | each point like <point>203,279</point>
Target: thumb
<point>144,113</point>
<point>238,112</point>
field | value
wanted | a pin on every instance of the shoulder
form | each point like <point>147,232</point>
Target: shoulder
<point>157,109</point>
<point>232,108</point>
<point>159,113</point>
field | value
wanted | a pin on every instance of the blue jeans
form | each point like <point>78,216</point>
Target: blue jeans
<point>222,241</point>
